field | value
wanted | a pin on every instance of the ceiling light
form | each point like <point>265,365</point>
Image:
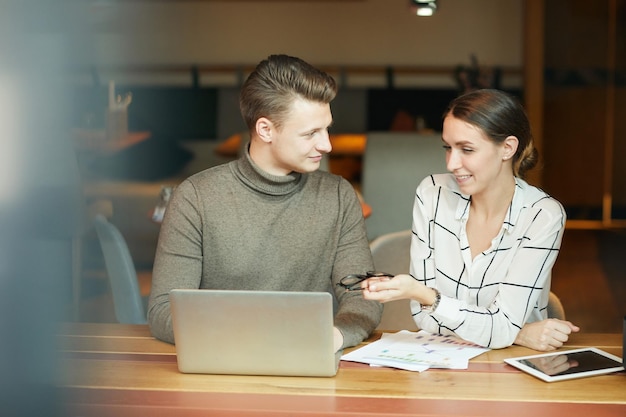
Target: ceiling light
<point>423,7</point>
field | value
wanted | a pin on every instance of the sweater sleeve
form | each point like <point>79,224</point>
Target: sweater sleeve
<point>178,260</point>
<point>356,317</point>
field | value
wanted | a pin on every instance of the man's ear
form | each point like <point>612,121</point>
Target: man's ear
<point>264,129</point>
<point>510,145</point>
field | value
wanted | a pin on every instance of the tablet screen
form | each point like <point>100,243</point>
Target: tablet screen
<point>568,364</point>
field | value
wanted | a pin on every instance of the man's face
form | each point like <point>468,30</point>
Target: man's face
<point>303,138</point>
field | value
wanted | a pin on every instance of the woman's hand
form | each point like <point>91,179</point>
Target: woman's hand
<point>403,286</point>
<point>545,335</point>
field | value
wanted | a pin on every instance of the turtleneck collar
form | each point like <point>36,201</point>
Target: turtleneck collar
<point>258,180</point>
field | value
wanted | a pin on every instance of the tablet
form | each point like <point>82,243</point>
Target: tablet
<point>569,364</point>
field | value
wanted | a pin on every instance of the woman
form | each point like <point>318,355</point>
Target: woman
<point>484,241</point>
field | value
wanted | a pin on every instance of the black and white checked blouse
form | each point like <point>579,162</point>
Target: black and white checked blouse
<point>485,300</point>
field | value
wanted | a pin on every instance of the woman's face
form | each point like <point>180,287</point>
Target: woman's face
<point>477,162</point>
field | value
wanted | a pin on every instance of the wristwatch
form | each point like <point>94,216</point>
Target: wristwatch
<point>431,308</point>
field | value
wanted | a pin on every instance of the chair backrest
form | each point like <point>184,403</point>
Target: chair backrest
<point>122,274</point>
<point>391,253</point>
<point>394,164</point>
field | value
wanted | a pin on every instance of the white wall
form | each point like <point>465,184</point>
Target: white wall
<point>358,32</point>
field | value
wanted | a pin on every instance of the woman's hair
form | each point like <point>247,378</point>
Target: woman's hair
<point>276,82</point>
<point>499,115</point>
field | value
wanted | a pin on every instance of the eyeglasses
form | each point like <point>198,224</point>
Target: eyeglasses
<point>352,282</point>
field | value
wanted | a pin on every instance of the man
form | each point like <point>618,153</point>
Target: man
<point>270,220</point>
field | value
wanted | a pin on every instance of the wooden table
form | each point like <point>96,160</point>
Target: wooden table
<point>120,370</point>
<point>96,142</point>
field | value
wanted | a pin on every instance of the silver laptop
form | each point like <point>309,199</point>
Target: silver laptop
<point>254,332</point>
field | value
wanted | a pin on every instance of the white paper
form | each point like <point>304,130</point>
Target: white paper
<point>416,351</point>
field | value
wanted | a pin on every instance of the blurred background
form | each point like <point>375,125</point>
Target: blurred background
<point>103,103</point>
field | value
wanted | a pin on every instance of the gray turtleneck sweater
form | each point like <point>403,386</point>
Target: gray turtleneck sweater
<point>235,226</point>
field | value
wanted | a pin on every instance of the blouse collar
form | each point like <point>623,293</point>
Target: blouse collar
<point>514,210</point>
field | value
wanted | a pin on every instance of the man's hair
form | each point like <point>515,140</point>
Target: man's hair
<point>276,82</point>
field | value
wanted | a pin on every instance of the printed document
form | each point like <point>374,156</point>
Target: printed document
<point>416,351</point>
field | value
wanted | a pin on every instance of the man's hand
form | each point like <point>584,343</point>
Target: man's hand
<point>337,339</point>
<point>545,335</point>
